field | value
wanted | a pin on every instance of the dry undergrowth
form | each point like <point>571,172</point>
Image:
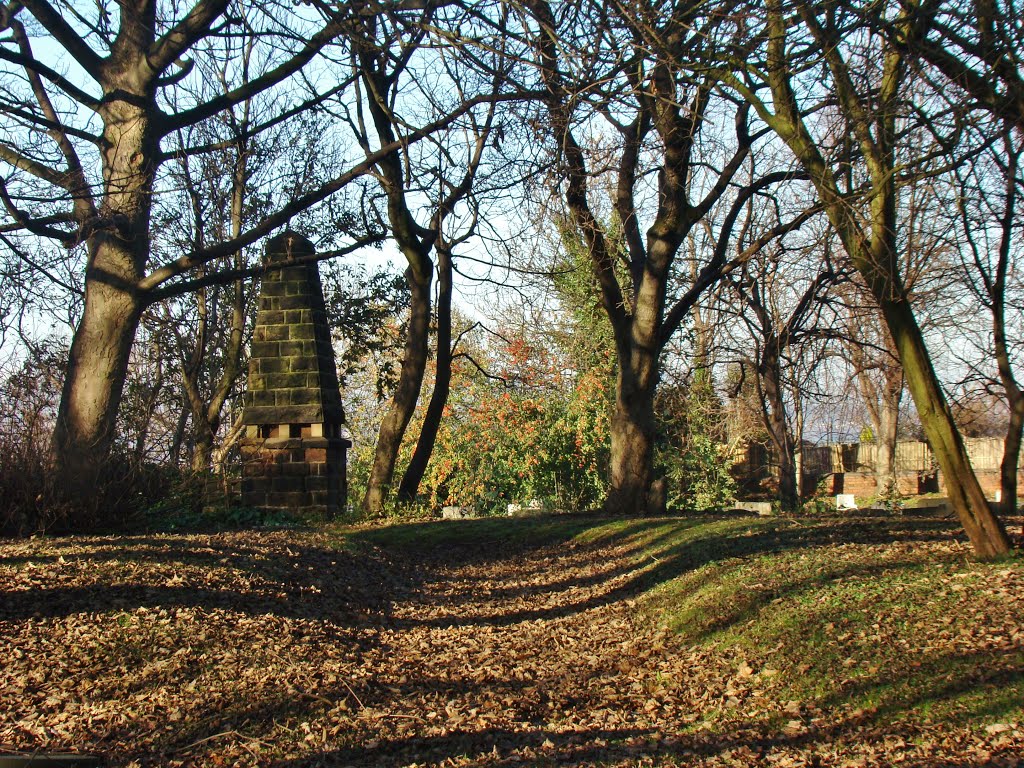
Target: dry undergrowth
<point>286,648</point>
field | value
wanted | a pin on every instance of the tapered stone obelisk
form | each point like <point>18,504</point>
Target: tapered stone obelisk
<point>293,452</point>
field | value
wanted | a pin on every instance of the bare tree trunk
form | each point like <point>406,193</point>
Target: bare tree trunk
<point>798,445</point>
<point>1011,460</point>
<point>101,346</point>
<point>997,288</point>
<point>983,528</point>
<point>774,409</point>
<point>403,404</point>
<point>410,484</point>
<point>179,434</point>
<point>631,462</point>
<point>883,407</point>
<point>886,431</point>
<point>97,367</point>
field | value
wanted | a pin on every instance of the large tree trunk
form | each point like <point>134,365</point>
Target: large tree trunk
<point>983,528</point>
<point>100,349</point>
<point>94,383</point>
<point>633,423</point>
<point>631,463</point>
<point>403,404</point>
<point>409,487</point>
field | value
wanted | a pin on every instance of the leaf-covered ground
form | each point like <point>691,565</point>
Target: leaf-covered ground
<point>553,641</point>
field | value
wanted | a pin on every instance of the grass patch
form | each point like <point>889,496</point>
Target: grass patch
<point>486,533</point>
<point>886,615</point>
<point>891,626</point>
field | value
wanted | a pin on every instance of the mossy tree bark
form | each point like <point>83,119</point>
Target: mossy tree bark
<point>866,223</point>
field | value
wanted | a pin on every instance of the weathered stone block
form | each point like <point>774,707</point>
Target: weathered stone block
<point>763,508</point>
<point>291,302</point>
<point>316,483</point>
<point>300,396</point>
<point>262,398</point>
<point>271,287</point>
<point>457,513</point>
<point>270,365</point>
<point>264,349</point>
<point>286,380</point>
<point>296,469</point>
<point>276,333</point>
<point>527,508</point>
<point>289,484</point>
<point>290,349</point>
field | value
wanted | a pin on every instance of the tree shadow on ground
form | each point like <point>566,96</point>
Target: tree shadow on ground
<point>317,584</point>
<point>296,581</point>
<point>671,547</point>
<point>307,581</point>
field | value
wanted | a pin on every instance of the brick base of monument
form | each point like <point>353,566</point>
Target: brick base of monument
<point>300,476</point>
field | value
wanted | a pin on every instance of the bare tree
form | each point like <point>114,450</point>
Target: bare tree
<point>990,188</point>
<point>674,143</point>
<point>94,191</point>
<point>876,369</point>
<point>392,55</point>
<point>867,75</point>
<point>786,309</point>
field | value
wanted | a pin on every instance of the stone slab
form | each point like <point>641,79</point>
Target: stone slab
<point>457,513</point>
<point>762,508</point>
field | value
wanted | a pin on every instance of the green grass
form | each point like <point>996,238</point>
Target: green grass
<point>884,615</point>
<point>897,629</point>
<point>485,532</point>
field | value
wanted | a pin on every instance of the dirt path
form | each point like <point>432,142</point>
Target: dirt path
<point>279,649</point>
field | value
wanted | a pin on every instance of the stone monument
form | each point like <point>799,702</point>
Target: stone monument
<point>293,451</point>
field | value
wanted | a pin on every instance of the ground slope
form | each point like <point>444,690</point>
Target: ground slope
<point>550,641</point>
